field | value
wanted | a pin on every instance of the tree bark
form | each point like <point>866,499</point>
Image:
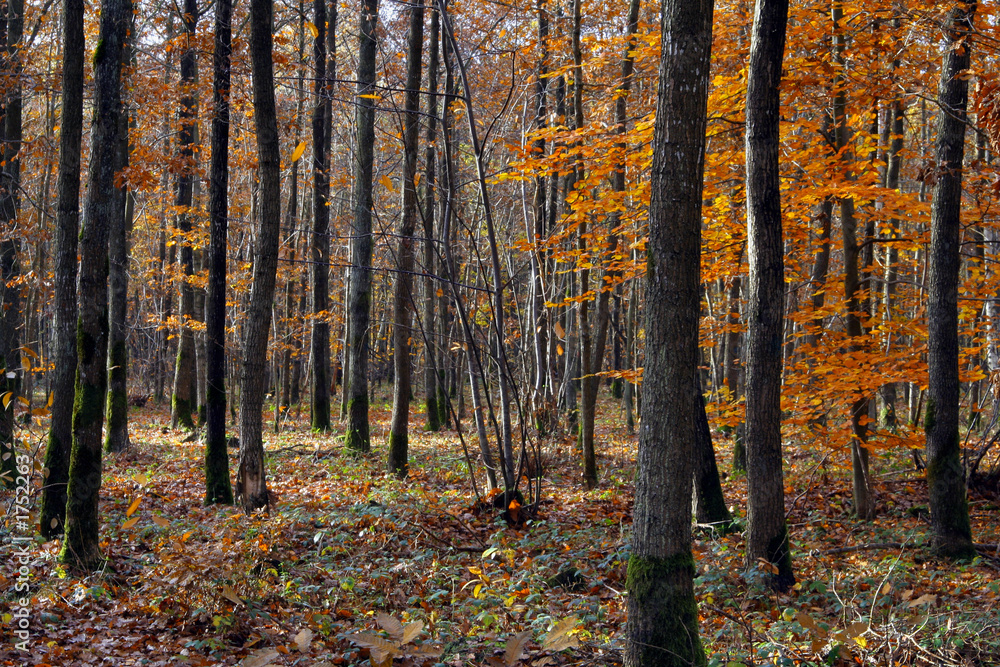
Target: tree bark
<point>434,399</point>
<point>945,475</point>
<point>359,302</point>
<point>181,408</point>
<point>402,303</point>
<point>662,626</point>
<point>60,440</point>
<point>251,484</point>
<point>218,488</point>
<point>81,547</point>
<point>767,534</point>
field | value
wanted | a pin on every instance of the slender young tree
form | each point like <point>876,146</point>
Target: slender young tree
<point>184,371</point>
<point>81,547</point>
<point>251,484</point>
<point>402,302</point>
<point>116,434</point>
<point>218,488</point>
<point>60,441</point>
<point>320,267</point>
<point>435,401</point>
<point>767,533</point>
<point>360,287</point>
<point>662,627</point>
<point>945,475</point>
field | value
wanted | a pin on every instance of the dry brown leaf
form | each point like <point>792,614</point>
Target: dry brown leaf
<point>410,631</point>
<point>229,593</point>
<point>391,625</point>
<point>559,637</point>
<point>261,658</point>
<point>303,640</point>
<point>515,646</point>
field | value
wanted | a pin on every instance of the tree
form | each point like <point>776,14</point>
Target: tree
<point>81,548</point>
<point>403,302</point>
<point>320,255</point>
<point>251,480</point>
<point>360,287</point>
<point>60,440</point>
<point>767,534</point>
<point>218,488</point>
<point>10,198</point>
<point>435,400</point>
<point>945,475</point>
<point>662,627</point>
<point>184,371</point>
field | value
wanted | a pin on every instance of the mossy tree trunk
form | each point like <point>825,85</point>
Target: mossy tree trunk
<point>945,474</point>
<point>60,440</point>
<point>767,535</point>
<point>662,626</point>
<point>360,288</point>
<point>182,399</point>
<point>81,548</point>
<point>218,488</point>
<point>251,484</point>
<point>402,302</point>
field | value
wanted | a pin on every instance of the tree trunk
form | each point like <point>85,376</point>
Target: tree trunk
<point>218,488</point>
<point>10,269</point>
<point>251,484</point>
<point>320,251</point>
<point>181,409</point>
<point>662,626</point>
<point>767,534</point>
<point>709,501</point>
<point>945,475</point>
<point>116,438</point>
<point>434,399</point>
<point>60,440</point>
<point>81,547</point>
<point>403,302</point>
<point>360,288</point>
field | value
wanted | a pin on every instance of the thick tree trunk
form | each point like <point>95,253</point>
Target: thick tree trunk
<point>403,302</point>
<point>945,475</point>
<point>662,627</point>
<point>60,441</point>
<point>251,484</point>
<point>81,547</point>
<point>360,288</point>
<point>218,488</point>
<point>767,534</point>
<point>181,404</point>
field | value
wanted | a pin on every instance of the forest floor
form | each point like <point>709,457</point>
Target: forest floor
<point>353,567</point>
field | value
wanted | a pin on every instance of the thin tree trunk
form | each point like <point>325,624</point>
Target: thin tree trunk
<point>432,393</point>
<point>403,302</point>
<point>218,488</point>
<point>60,440</point>
<point>360,290</point>
<point>181,409</point>
<point>81,545</point>
<point>767,533</point>
<point>251,484</point>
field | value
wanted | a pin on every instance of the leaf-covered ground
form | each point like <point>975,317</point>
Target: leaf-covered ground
<point>353,567</point>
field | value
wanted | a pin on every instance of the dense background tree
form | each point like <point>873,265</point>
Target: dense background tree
<point>662,613</point>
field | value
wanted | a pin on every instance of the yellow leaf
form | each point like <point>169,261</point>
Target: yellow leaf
<point>299,150</point>
<point>369,97</point>
<point>559,349</point>
<point>131,522</point>
<point>7,398</point>
<point>141,479</point>
<point>49,403</point>
<point>31,353</point>
<point>313,30</point>
<point>386,183</point>
<point>477,590</point>
<point>133,507</point>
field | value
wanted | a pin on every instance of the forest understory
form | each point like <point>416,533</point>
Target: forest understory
<point>354,567</point>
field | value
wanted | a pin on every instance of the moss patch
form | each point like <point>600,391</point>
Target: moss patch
<point>663,614</point>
